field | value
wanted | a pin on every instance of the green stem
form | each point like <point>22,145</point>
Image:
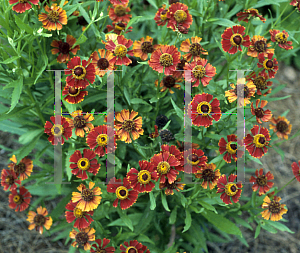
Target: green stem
<point>36,105</point>
<point>282,14</point>
<point>285,185</point>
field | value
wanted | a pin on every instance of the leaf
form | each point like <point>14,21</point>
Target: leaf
<point>23,26</point>
<point>173,216</point>
<point>242,222</point>
<point>195,13</point>
<point>221,22</point>
<point>125,219</point>
<point>30,135</point>
<point>12,127</point>
<point>144,238</point>
<point>188,220</point>
<point>10,59</point>
<point>215,136</point>
<point>164,201</point>
<point>152,200</point>
<point>279,226</point>
<point>178,111</point>
<point>153,100</point>
<point>254,159</point>
<point>126,95</point>
<point>280,152</point>
<point>152,2</point>
<point>267,2</point>
<point>138,101</point>
<point>207,206</point>
<point>133,21</point>
<point>82,38</point>
<point>216,159</point>
<point>16,93</point>
<point>277,98</point>
<point>15,112</point>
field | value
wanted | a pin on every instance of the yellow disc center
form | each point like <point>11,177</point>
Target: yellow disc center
<point>102,140</point>
<point>78,212</point>
<point>163,167</point>
<point>199,71</point>
<point>231,189</point>
<point>166,60</point>
<point>180,16</point>
<point>120,50</point>
<point>83,163</point>
<point>122,192</point>
<point>144,177</point>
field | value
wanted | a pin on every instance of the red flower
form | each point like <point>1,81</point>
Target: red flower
<point>23,6</point>
<point>296,170</point>
<point>196,161</point>
<point>134,247</point>
<point>81,74</point>
<point>161,16</point>
<point>178,14</point>
<point>102,247</point>
<point>64,49</point>
<point>260,81</point>
<point>201,71</point>
<point>114,2</point>
<point>229,189</point>
<point>245,16</point>
<point>141,180</point>
<point>281,39</point>
<point>260,113</point>
<point>229,148</point>
<point>173,150</point>
<point>171,186</point>
<point>102,64</point>
<point>257,143</point>
<point>99,137</point>
<point>233,38</point>
<point>23,168</point>
<point>261,182</point>
<point>118,27</point>
<point>125,194</point>
<point>9,179</point>
<point>56,131</point>
<point>119,13</point>
<point>204,111</point>
<point>268,64</point>
<point>79,215</point>
<point>19,201</point>
<point>296,3</point>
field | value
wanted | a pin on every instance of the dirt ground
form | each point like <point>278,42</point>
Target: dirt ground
<point>16,238</point>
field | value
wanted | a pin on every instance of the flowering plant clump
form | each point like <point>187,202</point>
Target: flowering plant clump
<point>144,125</point>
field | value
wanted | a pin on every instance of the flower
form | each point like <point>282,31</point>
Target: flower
<point>165,59</point>
<point>173,150</point>
<point>229,148</point>
<point>99,137</point>
<point>260,113</point>
<point>163,164</point>
<point>38,220</point>
<point>180,68</point>
<point>23,168</point>
<point>195,161</point>
<point>9,179</point>
<point>296,3</point>
<point>161,120</point>
<point>74,96</point>
<point>201,71</point>
<point>194,50</point>
<point>79,74</point>
<point>178,14</point>
<point>259,45</point>
<point>143,47</point>
<point>124,193</point>
<point>134,247</point>
<point>247,14</point>
<point>209,174</point>
<point>81,21</point>
<point>171,186</point>
<point>261,181</point>
<point>120,49</point>
<point>102,248</point>
<point>64,48</point>
<point>233,38</point>
<point>274,208</point>
<point>56,131</point>
<point>80,122</point>
<point>118,27</point>
<point>166,135</point>
<point>249,91</point>
<point>19,201</point>
<point>126,125</point>
<point>83,237</point>
<point>79,215</point>
<point>22,5</point>
<point>204,111</point>
<point>161,16</point>
<point>55,18</point>
<point>260,81</point>
<point>296,170</point>
<point>87,199</point>
<point>80,165</point>
<point>186,146</point>
<point>229,189</point>
<point>282,126</point>
<point>119,13</point>
<point>169,82</point>
<point>141,180</point>
<point>269,65</point>
<point>257,143</point>
<point>155,133</point>
<point>281,39</point>
<point>114,2</point>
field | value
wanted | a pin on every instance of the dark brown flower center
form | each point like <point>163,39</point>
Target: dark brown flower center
<point>282,126</point>
<point>274,206</point>
<point>73,91</point>
<point>81,21</point>
<point>260,82</point>
<point>261,180</point>
<point>128,125</point>
<point>237,39</point>
<point>39,220</point>
<point>56,130</point>
<point>102,63</point>
<point>262,140</point>
<point>259,112</point>
<point>181,64</point>
<point>78,71</point>
<point>239,92</point>
<point>100,250</point>
<point>195,49</point>
<point>147,47</point>
<point>79,121</point>
<point>64,47</point>
<point>53,16</point>
<point>145,177</point>
<point>10,179</point>
<point>233,188</point>
<point>208,175</point>
<point>269,64</point>
<point>82,163</point>
<point>260,46</point>
<point>87,195</point>
<point>122,193</point>
<point>18,199</point>
<point>120,10</point>
<point>204,108</point>
<point>169,81</point>
<point>132,250</point>
<point>81,238</point>
<point>20,168</point>
<point>193,158</point>
<point>233,146</point>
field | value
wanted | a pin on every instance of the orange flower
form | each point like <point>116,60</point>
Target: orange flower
<point>39,220</point>
<point>169,82</point>
<point>119,13</point>
<point>80,122</point>
<point>209,174</point>
<point>261,181</point>
<point>274,208</point>
<point>55,18</point>
<point>282,126</point>
<point>143,47</point>
<point>193,50</point>
<point>260,81</point>
<point>23,168</point>
<point>64,48</point>
<point>178,14</point>
<point>261,114</point>
<point>83,237</point>
<point>258,44</point>
<point>102,64</point>
<point>171,186</point>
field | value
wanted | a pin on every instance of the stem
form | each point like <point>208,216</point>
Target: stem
<point>286,185</point>
<point>282,14</point>
<point>36,105</point>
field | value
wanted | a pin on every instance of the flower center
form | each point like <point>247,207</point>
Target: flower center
<point>53,16</point>
<point>236,39</point>
<point>274,206</point>
<point>102,63</point>
<point>79,121</point>
<point>23,1</point>
<point>260,46</point>
<point>239,92</point>
<point>79,72</point>
<point>18,199</point>
<point>261,180</point>
<point>231,147</point>
<point>259,112</point>
<point>120,50</point>
<point>81,238</point>
<point>259,140</point>
<point>163,167</point>
<point>268,64</point>
<point>193,159</point>
<point>163,15</point>
<point>20,168</point>
<point>73,92</point>
<point>181,64</point>
<point>195,49</point>
<point>231,189</point>
<point>122,192</point>
<point>87,194</point>
<point>180,16</point>
<point>131,249</point>
<point>208,175</point>
<point>199,71</point>
<point>9,179</point>
<point>169,81</point>
<point>39,220</point>
<point>166,60</point>
<point>57,130</point>
<point>144,177</point>
<point>102,140</point>
<point>281,38</point>
<point>100,250</point>
<point>120,26</point>
<point>260,82</point>
<point>128,125</point>
<point>147,47</point>
<point>78,212</point>
<point>120,10</point>
<point>64,48</point>
<point>204,108</point>
<point>83,163</point>
<point>282,126</point>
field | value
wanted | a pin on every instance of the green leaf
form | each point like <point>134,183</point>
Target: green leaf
<point>268,2</point>
<point>26,149</point>
<point>172,218</point>
<point>268,227</point>
<point>254,159</point>
<point>222,223</point>
<point>221,22</point>
<point>279,226</point>
<point>164,201</point>
<point>178,111</point>
<point>153,100</point>
<point>82,38</point>
<point>125,219</point>
<point>277,98</point>
<point>144,238</point>
<point>138,101</point>
<point>30,135</point>
<point>195,13</point>
<point>127,97</point>
<point>215,136</point>
<point>12,127</point>
<point>23,26</point>
<point>152,200</point>
<point>153,3</point>
<point>15,112</point>
<point>216,159</point>
<point>207,206</point>
<point>188,220</point>
<point>242,222</point>
<point>133,21</point>
<point>280,152</point>
<point>10,59</point>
